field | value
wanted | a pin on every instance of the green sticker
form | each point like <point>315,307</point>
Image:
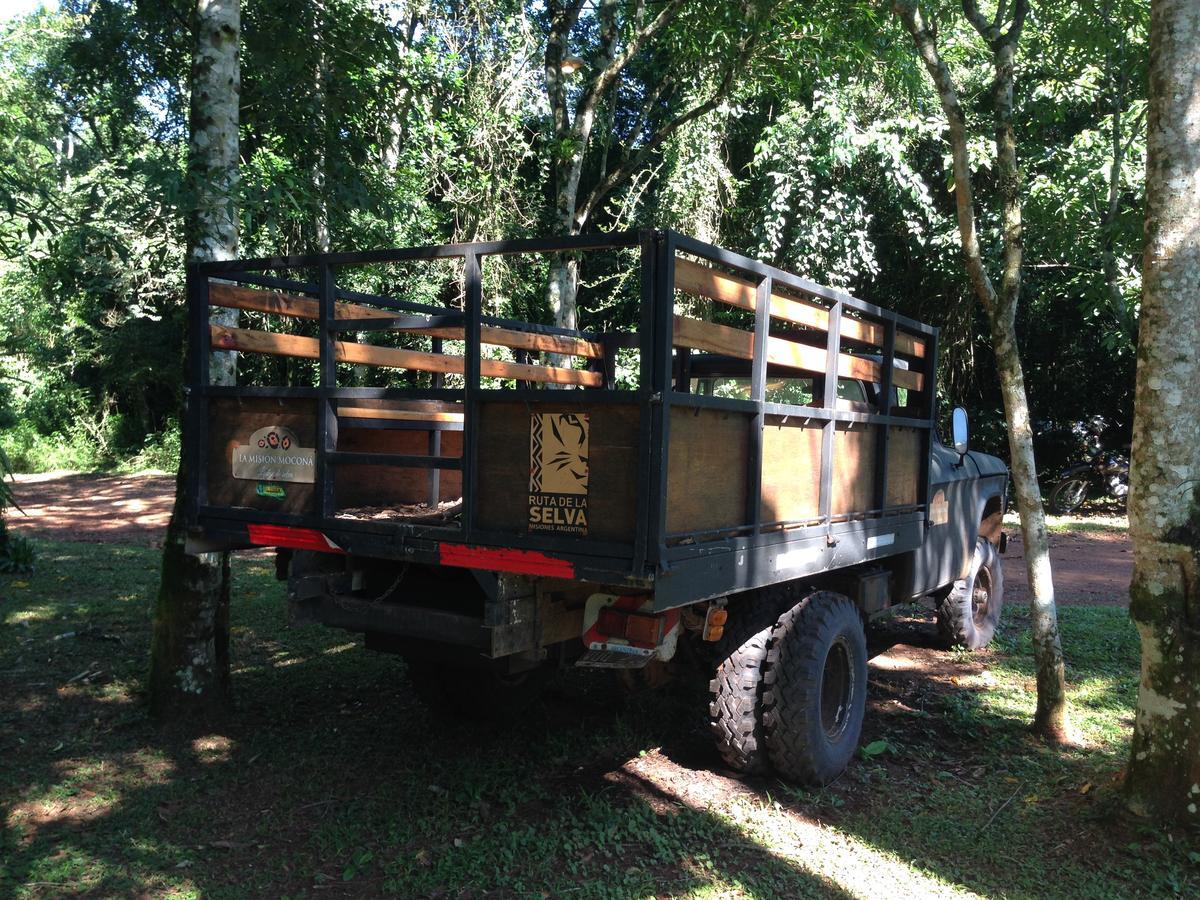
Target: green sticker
<point>274,491</point>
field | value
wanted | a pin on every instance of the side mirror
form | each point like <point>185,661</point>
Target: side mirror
<point>960,431</point>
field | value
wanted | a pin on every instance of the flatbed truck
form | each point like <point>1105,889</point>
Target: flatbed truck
<point>753,467</point>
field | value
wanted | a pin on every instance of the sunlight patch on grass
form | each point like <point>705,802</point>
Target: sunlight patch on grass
<point>30,614</point>
<point>213,748</point>
<point>844,861</point>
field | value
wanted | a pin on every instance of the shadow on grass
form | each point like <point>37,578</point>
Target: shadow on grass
<point>330,776</point>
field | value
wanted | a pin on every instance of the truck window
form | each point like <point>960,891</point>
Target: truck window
<point>853,391</point>
<point>796,391</point>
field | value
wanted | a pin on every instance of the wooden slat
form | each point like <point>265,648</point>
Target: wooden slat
<point>398,415</point>
<point>713,338</point>
<point>232,296</point>
<point>347,351</point>
<point>702,281</point>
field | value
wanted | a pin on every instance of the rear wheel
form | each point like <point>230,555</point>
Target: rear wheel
<point>1068,495</point>
<point>483,694</point>
<point>735,692</point>
<point>815,688</point>
<point>969,614</point>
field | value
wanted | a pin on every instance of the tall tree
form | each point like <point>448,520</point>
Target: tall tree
<point>620,33</point>
<point>1001,33</point>
<point>1164,504</point>
<point>189,658</point>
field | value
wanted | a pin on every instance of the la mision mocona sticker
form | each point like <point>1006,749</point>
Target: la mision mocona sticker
<point>273,454</point>
<point>558,472</point>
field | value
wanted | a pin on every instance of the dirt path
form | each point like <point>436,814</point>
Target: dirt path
<point>1090,567</point>
<point>123,509</point>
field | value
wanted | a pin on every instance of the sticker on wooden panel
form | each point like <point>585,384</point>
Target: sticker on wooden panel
<point>558,472</point>
<point>273,454</point>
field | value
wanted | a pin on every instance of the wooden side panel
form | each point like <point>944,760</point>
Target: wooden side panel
<point>504,467</point>
<point>904,467</point>
<point>356,486</point>
<point>853,468</point>
<point>231,422</point>
<point>791,472</point>
<point>706,476</point>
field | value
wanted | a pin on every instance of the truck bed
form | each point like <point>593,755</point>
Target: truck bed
<point>611,457</point>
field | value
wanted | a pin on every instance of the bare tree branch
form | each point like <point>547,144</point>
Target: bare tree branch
<point>910,15</point>
<point>632,162</point>
<point>617,63</point>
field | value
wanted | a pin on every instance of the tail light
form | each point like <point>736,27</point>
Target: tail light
<point>636,628</point>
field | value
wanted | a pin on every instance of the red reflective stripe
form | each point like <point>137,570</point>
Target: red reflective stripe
<point>523,562</point>
<point>295,538</point>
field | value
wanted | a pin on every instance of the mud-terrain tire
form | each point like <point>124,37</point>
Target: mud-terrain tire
<point>735,692</point>
<point>815,689</point>
<point>478,694</point>
<point>968,616</point>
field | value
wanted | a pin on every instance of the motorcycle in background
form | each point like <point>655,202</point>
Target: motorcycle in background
<point>1104,474</point>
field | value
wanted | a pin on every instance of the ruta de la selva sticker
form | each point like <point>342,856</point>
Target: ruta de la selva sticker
<point>558,472</point>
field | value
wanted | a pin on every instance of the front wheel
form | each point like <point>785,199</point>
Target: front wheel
<point>1068,495</point>
<point>815,693</point>
<point>968,615</point>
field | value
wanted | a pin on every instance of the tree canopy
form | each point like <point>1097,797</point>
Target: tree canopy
<point>805,134</point>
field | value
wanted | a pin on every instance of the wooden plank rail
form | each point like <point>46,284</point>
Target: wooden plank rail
<point>702,281</point>
<point>397,415</point>
<point>232,296</point>
<point>713,338</point>
<point>347,351</point>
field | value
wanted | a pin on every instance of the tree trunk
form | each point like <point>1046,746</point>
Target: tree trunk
<point>1050,720</point>
<point>321,243</point>
<point>563,286</point>
<point>1163,778</point>
<point>189,654</point>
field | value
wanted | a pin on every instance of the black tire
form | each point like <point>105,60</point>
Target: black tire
<point>735,692</point>
<point>815,688</point>
<point>968,616</point>
<point>1068,495</point>
<point>479,694</point>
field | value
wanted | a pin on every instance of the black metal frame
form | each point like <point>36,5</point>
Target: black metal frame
<point>680,567</point>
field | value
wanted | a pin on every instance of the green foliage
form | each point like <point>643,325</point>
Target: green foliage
<point>425,123</point>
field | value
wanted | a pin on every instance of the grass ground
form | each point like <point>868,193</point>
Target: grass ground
<point>330,779</point>
<point>1101,520</point>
